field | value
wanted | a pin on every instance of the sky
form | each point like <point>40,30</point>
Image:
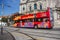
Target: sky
<point>14,7</point>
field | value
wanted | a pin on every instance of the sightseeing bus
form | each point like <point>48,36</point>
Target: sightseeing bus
<point>38,20</point>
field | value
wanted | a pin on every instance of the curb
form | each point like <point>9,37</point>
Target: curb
<point>11,35</point>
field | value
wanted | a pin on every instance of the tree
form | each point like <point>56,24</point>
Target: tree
<point>4,19</point>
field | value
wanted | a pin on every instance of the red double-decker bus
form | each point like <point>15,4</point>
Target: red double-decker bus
<point>38,20</point>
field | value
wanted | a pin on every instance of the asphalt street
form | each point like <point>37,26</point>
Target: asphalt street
<point>38,34</point>
<point>6,36</point>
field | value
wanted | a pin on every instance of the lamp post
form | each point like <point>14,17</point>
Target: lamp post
<point>2,16</point>
<point>3,13</point>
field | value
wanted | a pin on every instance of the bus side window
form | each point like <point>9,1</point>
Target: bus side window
<point>21,21</point>
<point>45,19</point>
<point>32,20</point>
<point>39,20</point>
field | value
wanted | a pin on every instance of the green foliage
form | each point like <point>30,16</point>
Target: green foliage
<point>4,19</point>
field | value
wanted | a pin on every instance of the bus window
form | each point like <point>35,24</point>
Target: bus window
<point>45,19</point>
<point>28,20</point>
<point>23,20</point>
<point>16,21</point>
<point>39,20</point>
<point>32,20</point>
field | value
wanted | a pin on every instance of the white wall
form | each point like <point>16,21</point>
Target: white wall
<point>44,5</point>
<point>55,15</point>
<point>23,1</point>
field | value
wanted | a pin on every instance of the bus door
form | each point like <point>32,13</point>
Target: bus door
<point>45,23</point>
<point>51,17</point>
<point>38,22</point>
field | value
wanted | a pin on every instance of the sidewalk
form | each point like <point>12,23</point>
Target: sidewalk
<point>57,24</point>
<point>6,36</point>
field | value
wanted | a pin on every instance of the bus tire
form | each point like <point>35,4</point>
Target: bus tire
<point>51,28</point>
<point>35,26</point>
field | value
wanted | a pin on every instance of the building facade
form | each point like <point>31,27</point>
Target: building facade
<point>33,6</point>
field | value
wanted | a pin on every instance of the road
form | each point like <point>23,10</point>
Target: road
<point>6,36</point>
<point>38,34</point>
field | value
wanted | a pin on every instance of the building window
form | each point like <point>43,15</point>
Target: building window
<point>23,8</point>
<point>40,6</point>
<point>30,8</point>
<point>35,6</point>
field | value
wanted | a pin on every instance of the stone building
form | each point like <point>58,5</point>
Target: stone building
<point>32,6</point>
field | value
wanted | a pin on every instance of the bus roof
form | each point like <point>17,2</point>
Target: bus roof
<point>28,16</point>
<point>17,18</point>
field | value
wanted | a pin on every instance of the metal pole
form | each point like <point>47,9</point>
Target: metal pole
<point>2,16</point>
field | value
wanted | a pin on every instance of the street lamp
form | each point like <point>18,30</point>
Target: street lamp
<point>2,14</point>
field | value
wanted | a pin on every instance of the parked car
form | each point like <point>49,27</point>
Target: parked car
<point>3,24</point>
